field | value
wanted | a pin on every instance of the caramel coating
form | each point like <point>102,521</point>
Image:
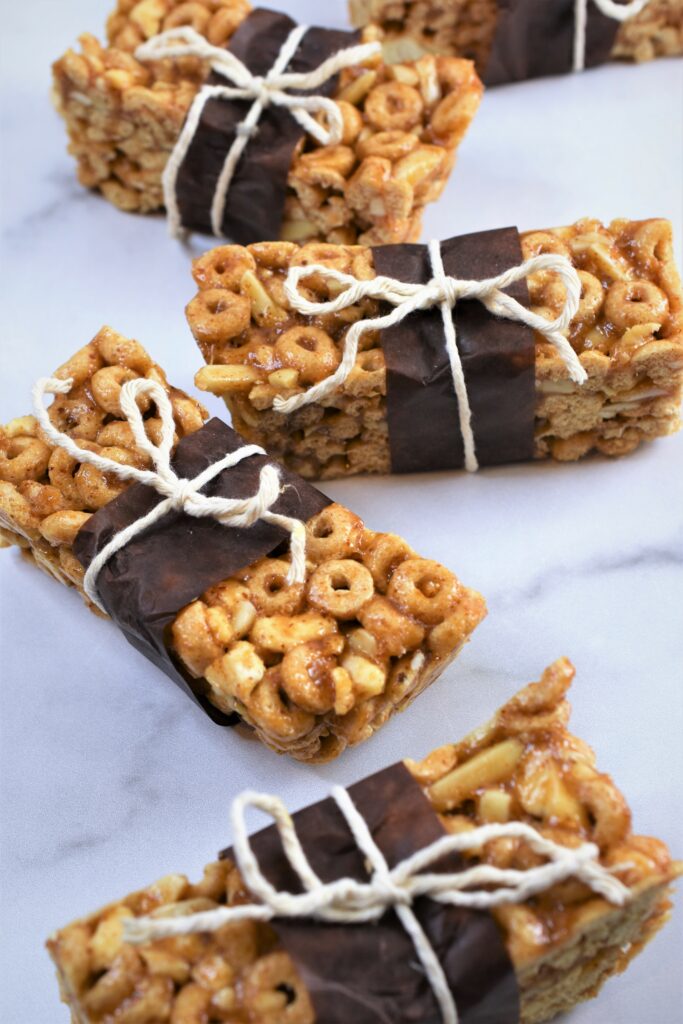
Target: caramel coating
<point>303,670</point>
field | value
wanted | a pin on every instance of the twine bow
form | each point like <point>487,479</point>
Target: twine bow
<point>618,11</point>
<point>269,90</point>
<point>179,494</point>
<point>348,901</point>
<point>443,292</point>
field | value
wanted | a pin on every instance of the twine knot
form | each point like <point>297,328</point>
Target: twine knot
<point>272,89</point>
<point>388,893</point>
<point>443,292</point>
<point>179,493</point>
<point>448,290</point>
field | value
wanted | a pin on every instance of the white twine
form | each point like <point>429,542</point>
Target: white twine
<point>617,11</point>
<point>179,494</point>
<point>269,90</point>
<point>348,901</point>
<point>444,292</point>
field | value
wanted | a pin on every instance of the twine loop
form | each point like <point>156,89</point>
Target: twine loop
<point>179,493</point>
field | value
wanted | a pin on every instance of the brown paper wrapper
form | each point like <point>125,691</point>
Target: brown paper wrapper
<point>497,357</point>
<point>144,586</point>
<point>369,973</point>
<point>256,198</point>
<point>535,38</point>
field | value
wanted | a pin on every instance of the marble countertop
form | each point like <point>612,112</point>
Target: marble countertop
<point>110,777</point>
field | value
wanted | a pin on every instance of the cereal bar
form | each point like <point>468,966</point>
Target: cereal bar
<point>466,28</point>
<point>311,667</point>
<point>628,334</point>
<point>402,125</point>
<point>523,766</point>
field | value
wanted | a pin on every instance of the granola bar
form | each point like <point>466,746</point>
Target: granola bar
<point>313,667</point>
<point>628,333</point>
<point>466,28</point>
<point>523,766</point>
<point>402,126</point>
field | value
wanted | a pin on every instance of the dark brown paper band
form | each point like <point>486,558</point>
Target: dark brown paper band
<point>144,586</point>
<point>367,974</point>
<point>535,38</point>
<point>497,357</point>
<point>256,197</point>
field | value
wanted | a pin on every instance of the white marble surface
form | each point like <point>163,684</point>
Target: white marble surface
<point>109,776</point>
